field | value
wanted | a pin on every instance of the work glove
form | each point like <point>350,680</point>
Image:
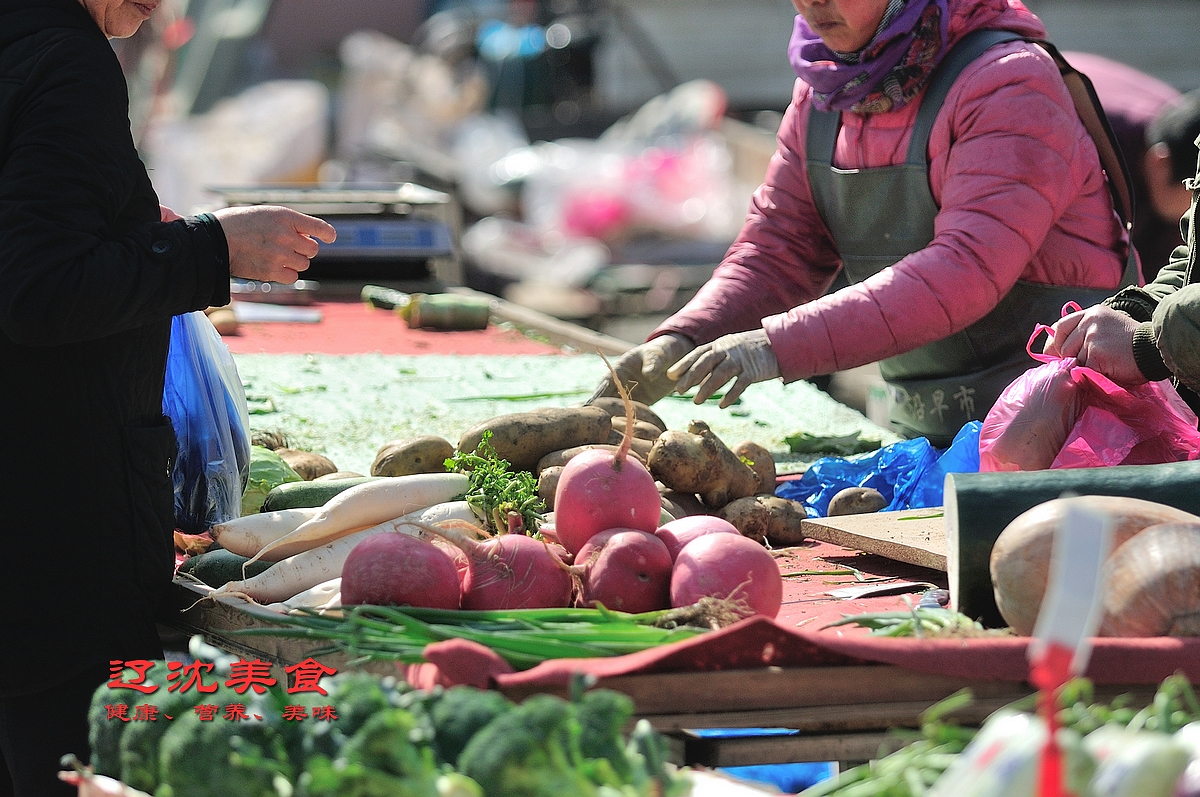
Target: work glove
<point>746,356</point>
<point>643,369</point>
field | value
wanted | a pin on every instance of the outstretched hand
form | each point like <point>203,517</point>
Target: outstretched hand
<point>270,243</point>
<point>744,356</point>
<point>643,369</point>
<point>1100,338</point>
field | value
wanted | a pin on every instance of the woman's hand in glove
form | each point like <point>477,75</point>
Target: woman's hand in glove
<point>744,355</point>
<point>643,369</point>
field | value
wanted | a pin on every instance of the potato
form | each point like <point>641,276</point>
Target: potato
<point>523,438</point>
<point>697,461</point>
<point>615,407</point>
<point>760,461</point>
<point>548,484</point>
<point>336,475</point>
<point>681,504</point>
<point>560,458</point>
<point>306,464</point>
<point>642,430</point>
<point>856,501</point>
<point>424,454</point>
<point>767,518</point>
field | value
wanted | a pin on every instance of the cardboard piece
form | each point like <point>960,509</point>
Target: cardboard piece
<point>915,536</point>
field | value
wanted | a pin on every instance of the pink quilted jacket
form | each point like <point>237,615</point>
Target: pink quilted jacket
<point>1021,196</point>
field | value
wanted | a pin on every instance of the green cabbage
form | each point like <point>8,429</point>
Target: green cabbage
<point>267,471</point>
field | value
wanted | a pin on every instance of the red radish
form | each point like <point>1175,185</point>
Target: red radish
<point>678,533</point>
<point>730,567</point>
<point>509,571</point>
<point>399,569</point>
<point>625,570</point>
<point>600,490</point>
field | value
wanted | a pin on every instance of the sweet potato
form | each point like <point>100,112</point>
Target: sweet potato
<point>523,438</point>
<point>767,518</point>
<point>424,454</point>
<point>760,461</point>
<point>697,461</point>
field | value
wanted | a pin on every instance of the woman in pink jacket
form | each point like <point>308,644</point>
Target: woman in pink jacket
<point>933,154</point>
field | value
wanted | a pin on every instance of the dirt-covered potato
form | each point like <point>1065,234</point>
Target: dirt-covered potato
<point>523,438</point>
<point>697,461</point>
<point>425,454</point>
<point>642,430</point>
<point>306,464</point>
<point>560,458</point>
<point>767,518</point>
<point>547,485</point>
<point>680,504</point>
<point>760,461</point>
<point>337,475</point>
<point>615,407</point>
<point>856,501</point>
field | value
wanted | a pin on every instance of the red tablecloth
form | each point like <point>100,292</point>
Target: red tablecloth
<point>354,327</point>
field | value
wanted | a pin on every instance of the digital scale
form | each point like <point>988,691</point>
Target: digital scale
<point>392,234</point>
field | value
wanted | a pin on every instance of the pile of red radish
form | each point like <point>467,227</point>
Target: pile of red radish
<point>610,551</point>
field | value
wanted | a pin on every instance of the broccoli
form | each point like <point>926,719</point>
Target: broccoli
<point>383,759</point>
<point>530,751</point>
<point>219,758</point>
<point>459,714</point>
<point>603,714</point>
<point>357,696</point>
<point>137,749</point>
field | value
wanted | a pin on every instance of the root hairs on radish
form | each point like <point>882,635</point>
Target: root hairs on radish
<point>597,490</point>
<point>508,571</point>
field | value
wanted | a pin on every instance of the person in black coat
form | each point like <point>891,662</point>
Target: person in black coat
<point>91,271</point>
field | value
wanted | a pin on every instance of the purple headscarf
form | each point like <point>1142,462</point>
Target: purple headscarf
<point>888,72</point>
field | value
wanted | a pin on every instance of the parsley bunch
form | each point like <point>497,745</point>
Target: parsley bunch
<point>495,490</point>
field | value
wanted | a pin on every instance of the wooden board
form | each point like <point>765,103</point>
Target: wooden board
<point>915,536</point>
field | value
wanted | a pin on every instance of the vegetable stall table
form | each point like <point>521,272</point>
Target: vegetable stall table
<point>829,694</point>
<point>360,377</point>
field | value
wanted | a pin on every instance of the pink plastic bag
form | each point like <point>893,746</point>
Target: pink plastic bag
<point>1065,415</point>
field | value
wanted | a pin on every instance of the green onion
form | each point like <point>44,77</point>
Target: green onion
<point>523,637</point>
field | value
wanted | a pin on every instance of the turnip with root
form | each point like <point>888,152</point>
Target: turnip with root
<point>400,570</point>
<point>728,567</point>
<point>1153,583</point>
<point>599,490</point>
<point>508,571</point>
<point>625,570</point>
<point>1020,558</point>
<point>679,533</point>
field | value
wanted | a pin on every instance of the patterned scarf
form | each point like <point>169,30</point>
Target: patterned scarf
<point>887,73</point>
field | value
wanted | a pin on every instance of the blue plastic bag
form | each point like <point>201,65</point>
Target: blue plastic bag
<point>910,474</point>
<point>204,398</point>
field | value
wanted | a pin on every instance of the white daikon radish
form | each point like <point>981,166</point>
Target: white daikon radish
<point>249,534</point>
<point>291,576</point>
<point>365,505</point>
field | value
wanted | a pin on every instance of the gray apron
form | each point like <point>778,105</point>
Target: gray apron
<point>878,216</point>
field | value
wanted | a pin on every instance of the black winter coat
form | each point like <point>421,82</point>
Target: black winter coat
<point>89,280</point>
